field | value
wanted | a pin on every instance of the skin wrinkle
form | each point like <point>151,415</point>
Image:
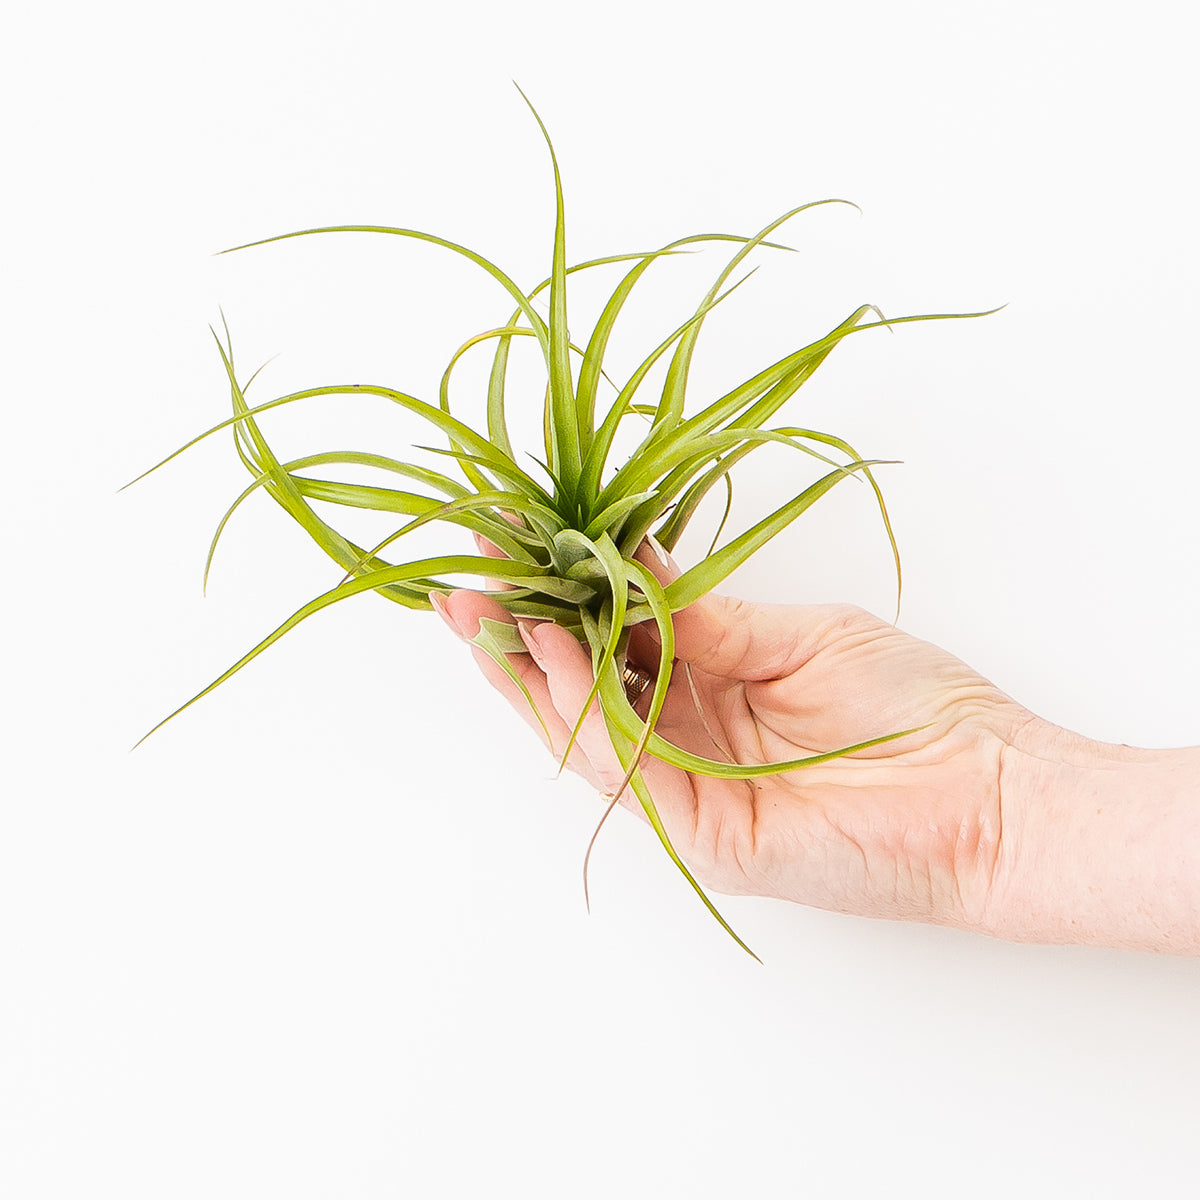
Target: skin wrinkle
<point>790,654</point>
<point>970,858</point>
<point>920,877</point>
<point>697,701</point>
<point>1003,856</point>
<point>733,708</point>
<point>717,839</point>
<point>998,851</point>
<point>968,853</point>
<point>694,793</point>
<point>752,786</point>
<point>764,857</point>
<point>856,843</point>
<point>730,628</point>
<point>735,698</point>
<point>974,854</point>
<point>736,839</point>
<point>958,891</point>
<point>744,704</point>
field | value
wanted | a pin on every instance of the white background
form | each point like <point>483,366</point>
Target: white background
<point>324,935</point>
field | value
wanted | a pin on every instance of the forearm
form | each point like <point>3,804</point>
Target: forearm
<point>1100,845</point>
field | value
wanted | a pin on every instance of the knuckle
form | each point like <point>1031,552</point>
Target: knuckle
<point>849,619</point>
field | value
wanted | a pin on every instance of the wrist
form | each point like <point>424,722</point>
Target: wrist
<point>1099,844</point>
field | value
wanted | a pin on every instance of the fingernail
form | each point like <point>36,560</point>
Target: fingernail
<point>660,553</point>
<point>439,606</point>
<point>529,637</point>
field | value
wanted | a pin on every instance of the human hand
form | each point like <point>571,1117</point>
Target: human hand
<point>907,829</point>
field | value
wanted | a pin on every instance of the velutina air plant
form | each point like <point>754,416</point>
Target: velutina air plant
<point>568,520</point>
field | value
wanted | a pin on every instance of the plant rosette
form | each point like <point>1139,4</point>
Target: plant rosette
<point>568,522</point>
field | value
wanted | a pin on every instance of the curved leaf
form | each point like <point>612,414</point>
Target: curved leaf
<point>491,568</point>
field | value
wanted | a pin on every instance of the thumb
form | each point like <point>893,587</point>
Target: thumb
<point>738,639</point>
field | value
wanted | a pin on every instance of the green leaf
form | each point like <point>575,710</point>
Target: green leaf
<point>339,457</point>
<point>569,543</point>
<point>609,519</point>
<point>778,382</point>
<point>602,443</point>
<point>473,512</point>
<point>494,568</point>
<point>705,576</point>
<point>260,459</point>
<point>536,323</point>
<point>454,429</point>
<point>566,457</point>
<point>657,599</point>
<point>502,468</point>
<point>671,406</point>
<point>498,639</point>
<point>505,335</point>
<point>609,700</point>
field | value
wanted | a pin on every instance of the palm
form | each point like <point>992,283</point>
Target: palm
<point>908,828</point>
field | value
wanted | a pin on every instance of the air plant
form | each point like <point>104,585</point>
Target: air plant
<point>569,522</point>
